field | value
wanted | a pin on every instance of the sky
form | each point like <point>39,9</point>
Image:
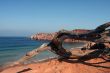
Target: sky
<point>28,17</point>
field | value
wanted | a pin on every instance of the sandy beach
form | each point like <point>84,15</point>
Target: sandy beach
<point>55,66</point>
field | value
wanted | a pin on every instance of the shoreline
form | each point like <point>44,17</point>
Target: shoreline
<point>56,65</point>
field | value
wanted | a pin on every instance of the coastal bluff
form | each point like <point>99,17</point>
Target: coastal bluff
<point>49,36</point>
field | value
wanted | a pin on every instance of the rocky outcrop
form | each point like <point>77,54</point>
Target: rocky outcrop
<point>49,36</point>
<point>43,36</point>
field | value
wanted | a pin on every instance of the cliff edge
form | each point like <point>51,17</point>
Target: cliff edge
<point>55,66</point>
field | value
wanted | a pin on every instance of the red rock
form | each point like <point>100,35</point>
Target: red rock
<point>49,36</point>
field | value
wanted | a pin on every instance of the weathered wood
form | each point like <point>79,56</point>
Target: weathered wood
<point>97,38</point>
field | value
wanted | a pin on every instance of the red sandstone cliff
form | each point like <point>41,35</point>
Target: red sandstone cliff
<point>49,36</point>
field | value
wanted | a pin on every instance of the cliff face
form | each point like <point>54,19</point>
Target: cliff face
<point>49,36</point>
<point>43,36</point>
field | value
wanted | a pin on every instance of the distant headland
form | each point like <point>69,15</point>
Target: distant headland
<point>49,36</point>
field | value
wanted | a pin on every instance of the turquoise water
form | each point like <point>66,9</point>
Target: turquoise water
<point>13,48</point>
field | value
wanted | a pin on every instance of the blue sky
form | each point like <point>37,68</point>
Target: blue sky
<point>27,17</point>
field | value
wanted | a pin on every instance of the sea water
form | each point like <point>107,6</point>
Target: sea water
<point>13,48</point>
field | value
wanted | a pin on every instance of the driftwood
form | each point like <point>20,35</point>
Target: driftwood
<point>98,45</point>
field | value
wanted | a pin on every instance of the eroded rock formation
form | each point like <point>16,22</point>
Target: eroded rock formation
<point>49,36</point>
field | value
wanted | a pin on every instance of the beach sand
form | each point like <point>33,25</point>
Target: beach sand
<point>56,66</point>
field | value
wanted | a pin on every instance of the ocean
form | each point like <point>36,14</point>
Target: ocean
<point>13,48</point>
